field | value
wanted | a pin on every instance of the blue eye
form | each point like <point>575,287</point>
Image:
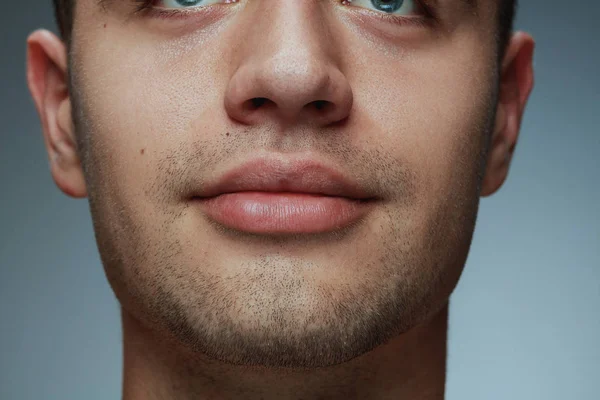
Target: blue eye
<point>184,3</point>
<point>388,6</point>
<point>401,7</point>
<point>187,3</point>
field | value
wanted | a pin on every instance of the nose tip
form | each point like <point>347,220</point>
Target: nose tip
<point>290,89</point>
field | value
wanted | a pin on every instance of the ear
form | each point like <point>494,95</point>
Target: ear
<point>47,78</point>
<point>516,82</point>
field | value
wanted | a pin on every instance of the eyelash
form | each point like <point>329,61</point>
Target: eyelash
<point>147,6</point>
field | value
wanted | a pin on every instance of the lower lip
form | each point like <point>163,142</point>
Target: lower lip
<point>271,212</point>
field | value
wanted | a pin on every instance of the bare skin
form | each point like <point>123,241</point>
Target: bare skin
<point>149,109</point>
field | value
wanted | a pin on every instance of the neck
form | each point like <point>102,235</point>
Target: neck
<point>411,366</point>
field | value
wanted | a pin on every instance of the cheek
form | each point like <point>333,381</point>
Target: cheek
<point>140,102</point>
<point>430,109</point>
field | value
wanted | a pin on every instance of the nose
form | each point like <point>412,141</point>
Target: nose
<point>287,70</point>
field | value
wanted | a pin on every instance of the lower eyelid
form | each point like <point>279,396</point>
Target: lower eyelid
<point>417,20</point>
<point>421,7</point>
<point>211,11</point>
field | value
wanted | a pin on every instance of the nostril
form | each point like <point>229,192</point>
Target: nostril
<point>320,104</point>
<point>257,102</point>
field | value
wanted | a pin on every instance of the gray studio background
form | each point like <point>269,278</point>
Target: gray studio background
<point>525,317</point>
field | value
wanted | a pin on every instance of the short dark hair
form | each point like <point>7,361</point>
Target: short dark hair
<point>63,13</point>
<point>63,10</point>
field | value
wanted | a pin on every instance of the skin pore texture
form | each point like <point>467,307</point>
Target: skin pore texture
<point>147,109</point>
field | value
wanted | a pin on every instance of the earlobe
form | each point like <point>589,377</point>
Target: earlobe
<point>47,80</point>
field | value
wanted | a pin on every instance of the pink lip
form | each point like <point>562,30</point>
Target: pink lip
<point>301,176</point>
<point>270,196</point>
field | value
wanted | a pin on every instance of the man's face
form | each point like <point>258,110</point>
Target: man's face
<point>163,106</point>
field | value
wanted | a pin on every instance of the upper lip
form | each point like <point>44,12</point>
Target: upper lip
<point>276,175</point>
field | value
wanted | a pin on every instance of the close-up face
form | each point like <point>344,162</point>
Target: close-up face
<point>383,110</point>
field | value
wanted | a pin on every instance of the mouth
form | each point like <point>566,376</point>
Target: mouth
<point>284,212</point>
<point>271,197</point>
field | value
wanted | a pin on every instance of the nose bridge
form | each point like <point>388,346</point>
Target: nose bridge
<point>290,35</point>
<point>287,59</point>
